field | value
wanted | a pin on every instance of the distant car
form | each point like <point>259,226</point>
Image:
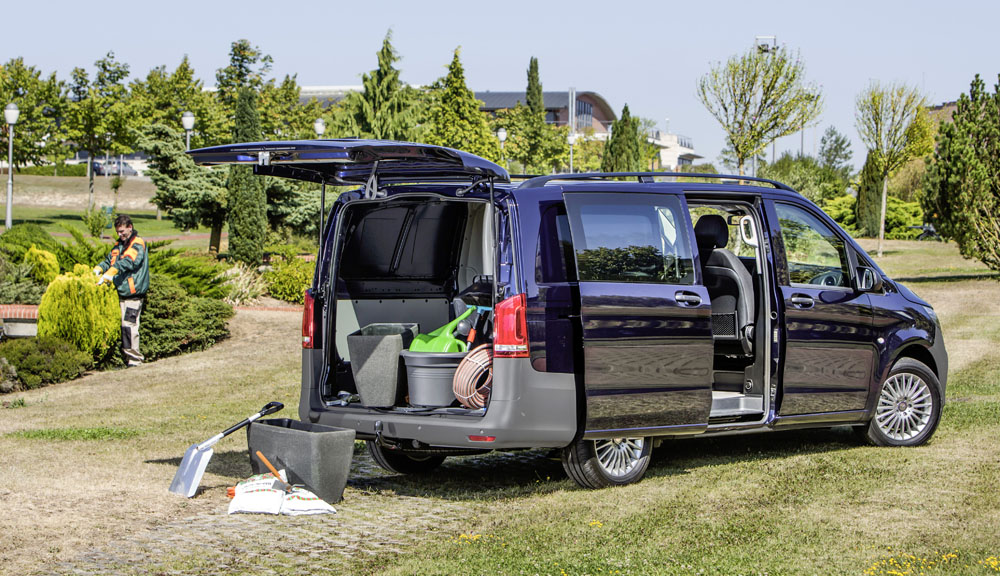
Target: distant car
<point>113,169</point>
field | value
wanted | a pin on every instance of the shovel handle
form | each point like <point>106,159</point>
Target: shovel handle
<point>268,464</point>
<point>269,408</point>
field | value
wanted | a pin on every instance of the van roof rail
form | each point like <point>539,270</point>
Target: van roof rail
<point>646,177</point>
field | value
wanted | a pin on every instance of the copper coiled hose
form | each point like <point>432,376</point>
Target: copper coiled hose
<point>474,377</point>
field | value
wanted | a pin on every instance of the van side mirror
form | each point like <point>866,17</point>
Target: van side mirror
<point>868,279</point>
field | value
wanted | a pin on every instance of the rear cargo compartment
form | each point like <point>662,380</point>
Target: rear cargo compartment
<point>414,286</point>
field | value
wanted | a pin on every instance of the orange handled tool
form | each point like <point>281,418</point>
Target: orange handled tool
<point>279,483</point>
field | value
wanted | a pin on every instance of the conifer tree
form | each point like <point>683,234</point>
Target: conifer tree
<point>247,202</point>
<point>534,98</point>
<point>623,151</point>
<point>868,208</point>
<point>456,120</point>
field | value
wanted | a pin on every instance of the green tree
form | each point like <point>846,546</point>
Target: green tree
<point>282,115</point>
<point>961,193</point>
<point>191,195</point>
<point>806,175</point>
<point>758,97</point>
<point>42,102</point>
<point>588,153</point>
<point>868,208</point>
<point>456,120</point>
<point>386,109</point>
<point>894,124</point>
<point>534,98</point>
<point>248,66</point>
<point>247,202</point>
<point>100,117</point>
<point>623,152</point>
<point>162,97</point>
<point>835,152</point>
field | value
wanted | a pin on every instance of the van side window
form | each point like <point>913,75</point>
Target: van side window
<point>554,262</point>
<point>815,255</point>
<point>631,238</point>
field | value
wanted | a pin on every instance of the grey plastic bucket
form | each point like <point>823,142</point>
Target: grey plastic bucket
<point>314,455</point>
<point>375,361</point>
<point>429,377</point>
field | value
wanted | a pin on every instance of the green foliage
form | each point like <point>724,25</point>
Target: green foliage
<point>245,285</point>
<point>842,210</point>
<point>247,202</point>
<point>248,66</point>
<point>894,124</point>
<point>456,120</point>
<point>534,96</point>
<point>588,153</point>
<point>80,251</point>
<point>42,104</point>
<point>538,147</point>
<point>385,108</point>
<point>190,194</point>
<point>282,114</point>
<point>174,322</point>
<point>17,284</point>
<point>623,151</point>
<point>908,181</point>
<point>198,275</point>
<point>57,169</point>
<point>79,311</point>
<point>289,279</point>
<point>44,360</point>
<point>16,241</point>
<point>44,265</point>
<point>869,206</point>
<point>758,97</point>
<point>962,189</point>
<point>835,153</point>
<point>806,175</point>
<point>294,204</point>
<point>96,220</point>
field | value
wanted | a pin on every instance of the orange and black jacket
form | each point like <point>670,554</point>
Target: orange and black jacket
<point>128,264</point>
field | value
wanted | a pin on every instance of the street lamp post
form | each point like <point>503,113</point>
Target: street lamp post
<point>502,136</point>
<point>10,114</point>
<point>572,140</point>
<point>320,127</point>
<point>187,120</point>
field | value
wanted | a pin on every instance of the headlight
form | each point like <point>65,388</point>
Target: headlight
<point>932,314</point>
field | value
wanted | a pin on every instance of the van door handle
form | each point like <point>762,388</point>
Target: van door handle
<point>687,298</point>
<point>802,301</point>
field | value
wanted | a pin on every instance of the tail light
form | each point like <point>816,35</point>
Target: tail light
<point>511,328</point>
<point>308,320</point>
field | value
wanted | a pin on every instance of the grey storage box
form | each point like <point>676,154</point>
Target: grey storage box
<point>375,361</point>
<point>315,456</point>
<point>429,377</point>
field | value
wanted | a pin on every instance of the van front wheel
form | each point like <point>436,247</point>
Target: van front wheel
<point>607,462</point>
<point>402,462</point>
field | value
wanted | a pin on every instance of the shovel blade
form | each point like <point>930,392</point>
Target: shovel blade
<point>189,474</point>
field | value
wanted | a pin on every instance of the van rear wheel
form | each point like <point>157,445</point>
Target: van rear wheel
<point>607,462</point>
<point>401,462</point>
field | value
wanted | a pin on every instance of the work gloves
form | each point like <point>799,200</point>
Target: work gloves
<point>103,277</point>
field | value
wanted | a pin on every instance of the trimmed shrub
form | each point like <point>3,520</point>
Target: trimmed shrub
<point>58,169</point>
<point>842,210</point>
<point>79,311</point>
<point>899,216</point>
<point>198,275</point>
<point>44,360</point>
<point>45,266</point>
<point>80,251</point>
<point>174,322</point>
<point>17,285</point>
<point>14,243</point>
<point>289,279</point>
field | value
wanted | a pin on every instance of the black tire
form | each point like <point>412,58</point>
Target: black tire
<point>401,462</point>
<point>590,462</point>
<point>908,408</point>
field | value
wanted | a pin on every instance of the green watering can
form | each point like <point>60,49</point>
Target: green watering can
<point>441,340</point>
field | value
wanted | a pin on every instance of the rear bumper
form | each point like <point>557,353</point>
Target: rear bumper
<point>527,409</point>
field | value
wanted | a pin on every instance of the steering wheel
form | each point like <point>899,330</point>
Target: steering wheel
<point>833,278</point>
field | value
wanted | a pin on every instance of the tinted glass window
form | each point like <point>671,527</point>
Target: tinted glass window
<point>815,255</point>
<point>554,260</point>
<point>630,238</point>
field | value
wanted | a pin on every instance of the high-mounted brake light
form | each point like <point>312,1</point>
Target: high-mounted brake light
<point>511,328</point>
<point>308,320</point>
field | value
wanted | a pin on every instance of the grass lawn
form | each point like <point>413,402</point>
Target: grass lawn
<point>86,464</point>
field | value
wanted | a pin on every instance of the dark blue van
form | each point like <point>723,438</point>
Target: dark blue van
<point>454,311</point>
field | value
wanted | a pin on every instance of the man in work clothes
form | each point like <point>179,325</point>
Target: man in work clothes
<point>127,267</point>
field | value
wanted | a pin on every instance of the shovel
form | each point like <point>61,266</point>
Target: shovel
<point>197,456</point>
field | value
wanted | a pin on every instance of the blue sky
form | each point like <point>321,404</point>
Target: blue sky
<point>647,54</point>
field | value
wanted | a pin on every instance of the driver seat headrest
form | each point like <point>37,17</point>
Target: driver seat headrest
<point>711,232</point>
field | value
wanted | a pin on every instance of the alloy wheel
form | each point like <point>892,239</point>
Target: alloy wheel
<point>904,406</point>
<point>619,456</point>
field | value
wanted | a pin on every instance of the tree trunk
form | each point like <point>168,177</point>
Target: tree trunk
<point>881,227</point>
<point>215,240</point>
<point>90,179</point>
